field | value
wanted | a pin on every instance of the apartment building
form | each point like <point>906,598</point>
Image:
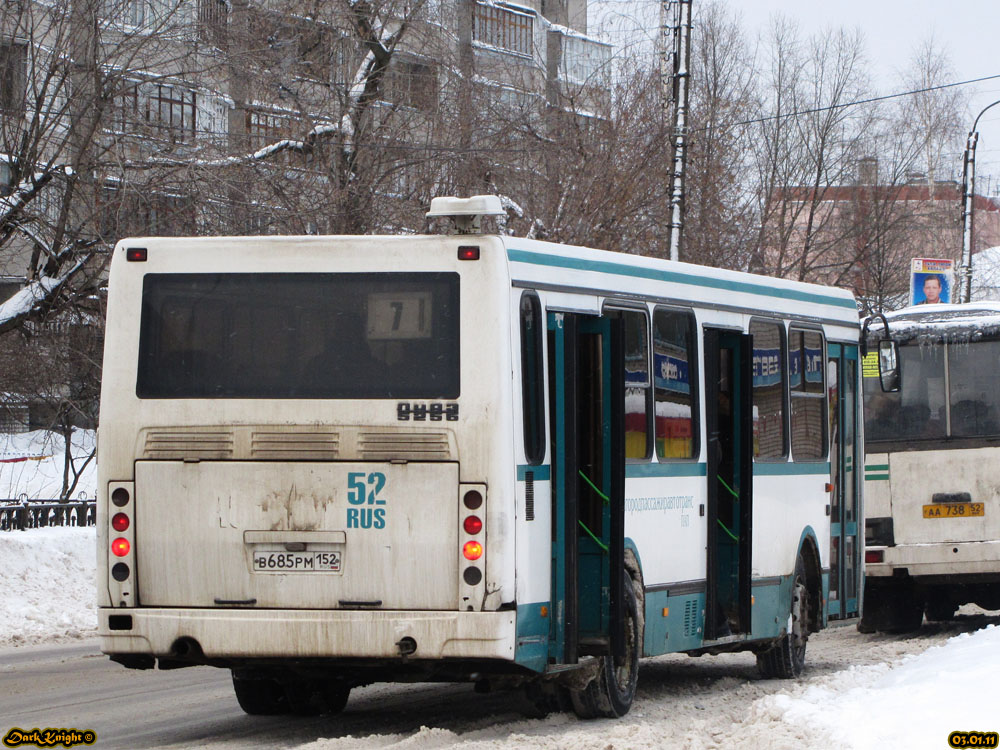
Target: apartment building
<point>178,87</point>
<point>163,117</point>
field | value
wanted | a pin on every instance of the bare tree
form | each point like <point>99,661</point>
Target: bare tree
<point>719,209</point>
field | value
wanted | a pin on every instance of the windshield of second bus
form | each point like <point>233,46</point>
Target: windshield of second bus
<point>922,410</point>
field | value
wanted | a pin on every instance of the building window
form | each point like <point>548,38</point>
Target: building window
<point>13,77</point>
<point>503,28</point>
<point>675,378</point>
<point>768,389</point>
<point>133,212</point>
<point>6,180</point>
<point>172,109</point>
<point>412,84</point>
<point>585,61</point>
<point>265,128</point>
<point>808,394</point>
<point>169,109</point>
<point>141,14</point>
<point>213,16</point>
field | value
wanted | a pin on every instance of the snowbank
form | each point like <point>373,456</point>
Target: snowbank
<point>916,703</point>
<point>47,585</point>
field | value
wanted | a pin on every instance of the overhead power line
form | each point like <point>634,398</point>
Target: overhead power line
<point>855,103</point>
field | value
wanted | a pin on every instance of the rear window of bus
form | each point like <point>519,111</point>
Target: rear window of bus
<point>288,335</point>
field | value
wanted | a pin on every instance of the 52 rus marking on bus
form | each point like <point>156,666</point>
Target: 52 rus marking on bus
<point>363,490</point>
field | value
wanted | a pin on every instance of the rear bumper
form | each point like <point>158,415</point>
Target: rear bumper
<point>953,559</point>
<point>301,634</point>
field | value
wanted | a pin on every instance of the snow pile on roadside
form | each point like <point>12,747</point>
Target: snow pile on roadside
<point>917,703</point>
<point>913,700</point>
<point>47,584</point>
<point>31,464</point>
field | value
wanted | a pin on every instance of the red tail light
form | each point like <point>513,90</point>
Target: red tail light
<point>120,547</point>
<point>119,522</point>
<point>472,550</point>
<point>874,555</point>
<point>472,525</point>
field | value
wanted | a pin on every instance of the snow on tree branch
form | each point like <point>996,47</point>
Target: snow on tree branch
<point>12,205</point>
<point>37,297</point>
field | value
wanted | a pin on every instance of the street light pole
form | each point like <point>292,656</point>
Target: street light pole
<point>968,200</point>
<point>675,18</point>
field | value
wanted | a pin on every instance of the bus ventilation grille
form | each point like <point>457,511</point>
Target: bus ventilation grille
<point>181,445</point>
<point>413,446</point>
<point>529,496</point>
<point>690,617</point>
<point>295,445</point>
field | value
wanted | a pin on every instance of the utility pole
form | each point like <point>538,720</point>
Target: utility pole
<point>675,63</point>
<point>968,210</point>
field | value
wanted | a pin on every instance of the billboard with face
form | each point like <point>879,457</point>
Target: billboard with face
<point>930,281</point>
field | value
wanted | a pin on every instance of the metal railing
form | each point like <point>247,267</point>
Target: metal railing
<point>20,514</point>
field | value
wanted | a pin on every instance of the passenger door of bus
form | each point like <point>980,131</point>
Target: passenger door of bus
<point>586,397</point>
<point>728,419</point>
<point>845,457</point>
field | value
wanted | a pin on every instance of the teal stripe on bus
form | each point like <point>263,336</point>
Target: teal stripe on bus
<point>790,469</point>
<point>676,277</point>
<point>541,473</point>
<point>690,469</point>
<point>876,477</point>
<point>876,467</point>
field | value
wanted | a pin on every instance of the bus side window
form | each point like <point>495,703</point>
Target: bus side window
<point>808,394</point>
<point>768,389</point>
<point>638,393</point>
<point>532,378</point>
<point>675,378</point>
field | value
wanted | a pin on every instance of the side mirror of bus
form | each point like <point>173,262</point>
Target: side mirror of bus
<point>888,365</point>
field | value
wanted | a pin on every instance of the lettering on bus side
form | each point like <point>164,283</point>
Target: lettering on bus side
<point>406,411</point>
<point>364,499</point>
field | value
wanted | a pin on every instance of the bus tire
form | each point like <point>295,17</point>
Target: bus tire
<point>940,607</point>
<point>315,697</point>
<point>907,612</point>
<point>610,694</point>
<point>335,697</point>
<point>786,658</point>
<point>260,697</point>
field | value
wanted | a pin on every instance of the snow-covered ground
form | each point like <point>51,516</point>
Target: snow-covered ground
<point>46,575</point>
<point>859,691</point>
<point>47,585</point>
<point>31,465</point>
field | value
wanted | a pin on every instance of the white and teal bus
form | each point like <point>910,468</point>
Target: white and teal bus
<point>330,461</point>
<point>933,522</point>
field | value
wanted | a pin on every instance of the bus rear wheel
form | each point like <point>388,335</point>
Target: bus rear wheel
<point>315,697</point>
<point>610,694</point>
<point>786,658</point>
<point>940,607</point>
<point>260,697</point>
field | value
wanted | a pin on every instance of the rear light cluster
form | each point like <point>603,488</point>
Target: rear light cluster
<point>121,533</point>
<point>473,537</point>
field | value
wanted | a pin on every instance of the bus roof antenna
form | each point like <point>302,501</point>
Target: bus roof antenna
<point>466,214</point>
